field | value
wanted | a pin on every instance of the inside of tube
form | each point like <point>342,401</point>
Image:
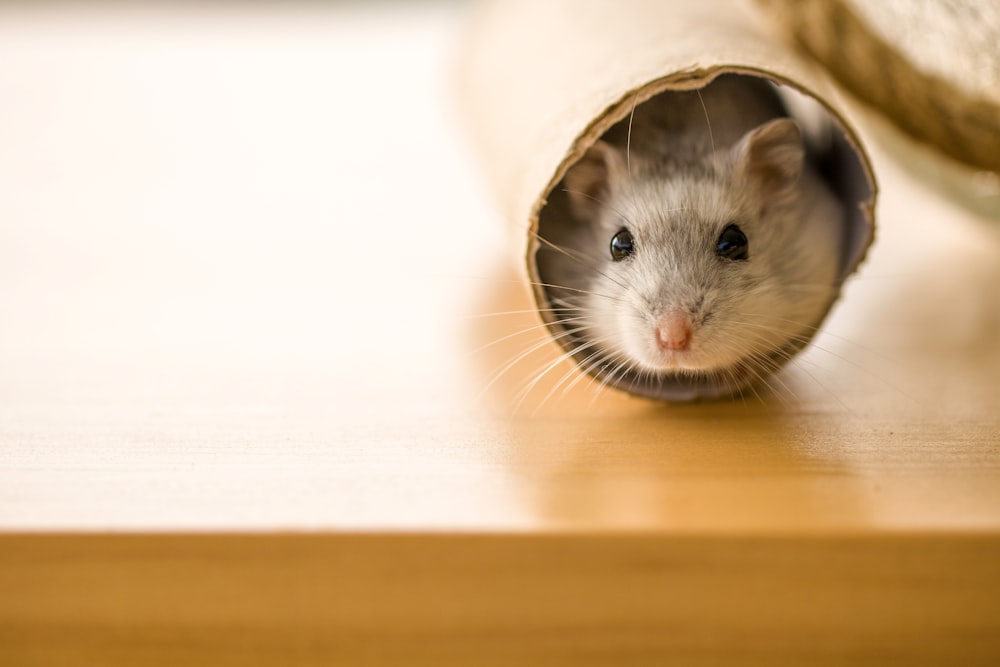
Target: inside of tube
<point>833,156</point>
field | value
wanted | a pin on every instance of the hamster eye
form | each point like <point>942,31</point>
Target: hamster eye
<point>732,244</point>
<point>622,245</point>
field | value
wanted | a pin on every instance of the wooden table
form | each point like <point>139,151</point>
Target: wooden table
<point>254,306</point>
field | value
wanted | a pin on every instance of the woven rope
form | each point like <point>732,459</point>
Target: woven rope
<point>960,122</point>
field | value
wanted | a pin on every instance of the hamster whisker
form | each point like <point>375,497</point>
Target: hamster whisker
<point>590,262</point>
<point>767,375</point>
<point>765,360</point>
<point>815,344</point>
<point>608,365</point>
<point>761,328</point>
<point>565,356</point>
<point>628,148</point>
<point>618,372</point>
<point>573,369</point>
<point>654,378</point>
<point>577,290</point>
<point>819,331</point>
<point>521,332</point>
<point>596,200</point>
<point>594,372</point>
<point>808,288</point>
<point>798,363</point>
<point>728,376</point>
<point>518,358</point>
<point>757,377</point>
<point>593,369</point>
<point>580,370</point>
<point>761,373</point>
<point>766,357</point>
<point>587,367</point>
<point>768,367</point>
<point>523,311</point>
<point>591,366</point>
<point>860,367</point>
<point>708,121</point>
<point>628,136</point>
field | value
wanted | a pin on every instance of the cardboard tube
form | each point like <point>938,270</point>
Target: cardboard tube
<point>542,82</point>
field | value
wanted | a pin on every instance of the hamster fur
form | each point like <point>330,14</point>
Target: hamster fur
<point>646,275</point>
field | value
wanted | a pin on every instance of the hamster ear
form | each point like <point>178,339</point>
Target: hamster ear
<point>770,157</point>
<point>593,179</point>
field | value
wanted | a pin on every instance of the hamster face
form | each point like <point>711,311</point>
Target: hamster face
<point>706,271</point>
<point>708,283</point>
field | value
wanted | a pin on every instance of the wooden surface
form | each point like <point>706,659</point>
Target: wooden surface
<point>498,600</point>
<point>253,307</point>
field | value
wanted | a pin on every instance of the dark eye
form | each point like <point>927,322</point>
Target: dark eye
<point>622,245</point>
<point>732,243</point>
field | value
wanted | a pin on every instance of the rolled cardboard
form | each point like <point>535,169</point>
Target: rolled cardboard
<point>541,82</point>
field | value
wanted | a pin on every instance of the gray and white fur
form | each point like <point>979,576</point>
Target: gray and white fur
<point>675,175</point>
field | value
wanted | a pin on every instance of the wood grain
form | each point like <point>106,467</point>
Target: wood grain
<point>497,600</point>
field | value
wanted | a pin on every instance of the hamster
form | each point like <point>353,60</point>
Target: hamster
<point>697,246</point>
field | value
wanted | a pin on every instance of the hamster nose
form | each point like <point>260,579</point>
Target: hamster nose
<point>673,331</point>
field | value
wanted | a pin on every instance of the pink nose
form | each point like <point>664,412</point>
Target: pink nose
<point>673,331</point>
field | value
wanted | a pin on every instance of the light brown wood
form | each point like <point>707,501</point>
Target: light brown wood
<point>497,600</point>
<point>246,293</point>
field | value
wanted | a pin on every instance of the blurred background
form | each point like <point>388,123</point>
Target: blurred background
<point>230,192</point>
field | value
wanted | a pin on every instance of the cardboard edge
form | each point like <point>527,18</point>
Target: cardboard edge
<point>858,242</point>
